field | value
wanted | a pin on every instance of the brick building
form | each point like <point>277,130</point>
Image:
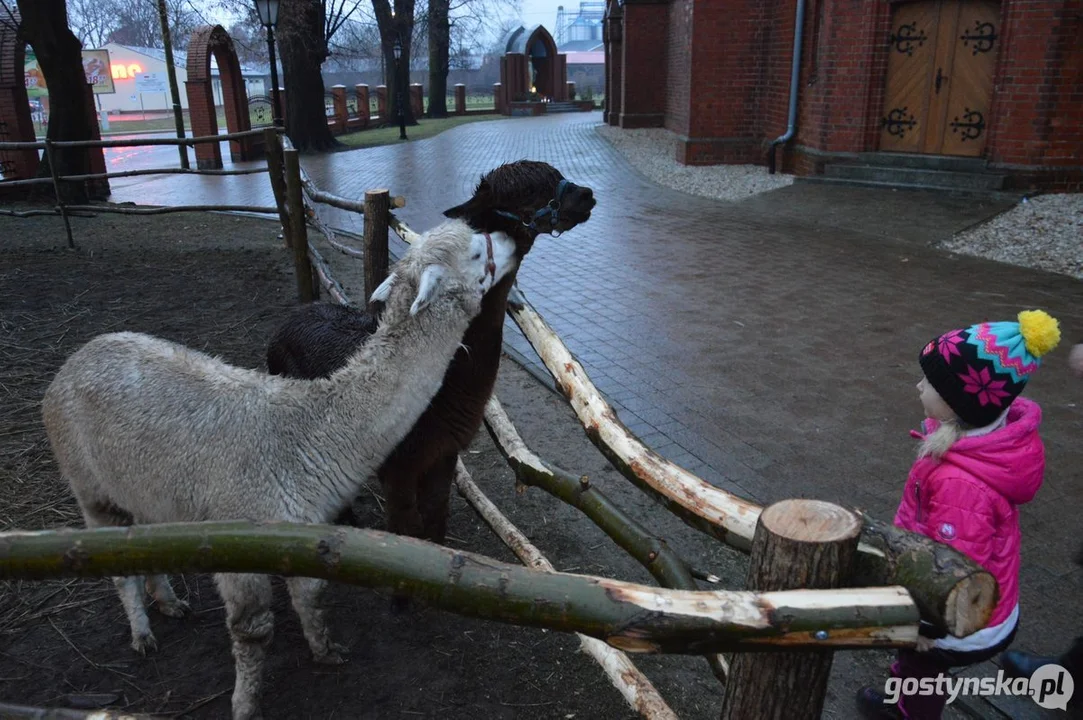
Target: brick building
<point>989,87</point>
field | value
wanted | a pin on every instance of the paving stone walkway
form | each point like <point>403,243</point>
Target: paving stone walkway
<point>768,345</point>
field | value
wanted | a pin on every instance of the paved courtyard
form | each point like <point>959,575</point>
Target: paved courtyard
<point>768,345</point>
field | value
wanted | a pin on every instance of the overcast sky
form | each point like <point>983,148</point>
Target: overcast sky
<point>544,12</point>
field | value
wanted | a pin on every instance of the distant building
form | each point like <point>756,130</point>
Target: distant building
<point>584,29</point>
<point>142,84</point>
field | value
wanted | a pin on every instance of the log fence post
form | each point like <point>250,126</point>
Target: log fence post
<point>273,146</point>
<point>298,233</point>
<point>377,211</point>
<point>798,544</point>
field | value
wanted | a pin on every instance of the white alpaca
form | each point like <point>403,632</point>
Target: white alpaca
<point>148,431</point>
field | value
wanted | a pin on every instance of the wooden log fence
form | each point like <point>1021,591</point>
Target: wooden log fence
<point>63,209</point>
<point>899,577</point>
<point>953,592</point>
<point>628,616</point>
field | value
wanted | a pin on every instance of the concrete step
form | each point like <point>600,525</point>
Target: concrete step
<point>962,192</point>
<point>915,176</point>
<point>922,162</point>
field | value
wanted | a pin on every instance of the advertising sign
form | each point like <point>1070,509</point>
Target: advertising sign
<point>151,83</point>
<point>95,66</point>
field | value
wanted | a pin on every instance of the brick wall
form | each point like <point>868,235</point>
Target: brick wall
<point>679,65</point>
<point>1038,97</point>
<point>643,101</point>
<point>737,55</point>
<point>727,80</point>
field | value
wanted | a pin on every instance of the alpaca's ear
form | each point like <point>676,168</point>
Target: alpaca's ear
<point>432,277</point>
<point>383,292</point>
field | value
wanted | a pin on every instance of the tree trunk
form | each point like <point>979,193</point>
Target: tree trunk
<point>303,50</point>
<point>634,618</point>
<point>439,51</point>
<point>45,28</point>
<point>798,544</point>
<point>391,25</point>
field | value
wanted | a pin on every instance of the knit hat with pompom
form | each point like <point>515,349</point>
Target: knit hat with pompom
<point>979,371</point>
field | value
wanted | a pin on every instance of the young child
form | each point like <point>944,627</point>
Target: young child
<point>980,458</point>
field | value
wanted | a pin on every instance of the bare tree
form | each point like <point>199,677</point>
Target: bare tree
<point>467,21</point>
<point>396,23</point>
<point>138,23</point>
<point>93,21</point>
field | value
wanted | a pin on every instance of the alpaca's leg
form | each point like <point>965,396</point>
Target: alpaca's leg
<point>400,483</point>
<point>129,588</point>
<point>433,494</point>
<point>167,601</point>
<point>305,595</point>
<point>251,628</point>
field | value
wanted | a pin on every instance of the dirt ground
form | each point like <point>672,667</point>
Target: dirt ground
<point>221,284</point>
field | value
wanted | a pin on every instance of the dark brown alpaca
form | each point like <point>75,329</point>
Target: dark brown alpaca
<point>523,199</point>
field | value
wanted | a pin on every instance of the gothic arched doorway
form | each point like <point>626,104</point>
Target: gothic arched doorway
<point>532,68</point>
<point>205,41</point>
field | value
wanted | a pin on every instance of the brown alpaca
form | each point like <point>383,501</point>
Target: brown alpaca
<point>522,199</point>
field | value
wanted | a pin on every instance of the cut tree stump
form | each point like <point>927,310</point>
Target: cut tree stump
<point>806,544</point>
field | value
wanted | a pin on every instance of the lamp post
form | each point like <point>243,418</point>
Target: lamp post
<point>397,49</point>
<point>268,17</point>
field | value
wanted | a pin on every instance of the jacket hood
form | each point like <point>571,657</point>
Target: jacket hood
<point>1010,460</point>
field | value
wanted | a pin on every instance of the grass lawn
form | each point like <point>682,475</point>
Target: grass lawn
<point>425,128</point>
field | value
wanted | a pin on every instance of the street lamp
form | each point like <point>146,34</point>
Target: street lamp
<point>268,17</point>
<point>396,48</point>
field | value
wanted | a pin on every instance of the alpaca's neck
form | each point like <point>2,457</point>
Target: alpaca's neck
<point>381,392</point>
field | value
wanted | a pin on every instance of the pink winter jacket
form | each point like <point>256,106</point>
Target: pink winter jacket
<point>969,498</point>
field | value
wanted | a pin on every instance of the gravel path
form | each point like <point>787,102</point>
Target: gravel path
<point>1044,232</point>
<point>651,152</point>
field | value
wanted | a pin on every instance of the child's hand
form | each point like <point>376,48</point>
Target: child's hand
<point>924,644</point>
<point>1075,360</point>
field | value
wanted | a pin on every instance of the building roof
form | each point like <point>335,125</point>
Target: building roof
<point>180,59</point>
<point>586,58</point>
<point>582,46</point>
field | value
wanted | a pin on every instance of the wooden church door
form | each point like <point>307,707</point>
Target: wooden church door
<point>940,77</point>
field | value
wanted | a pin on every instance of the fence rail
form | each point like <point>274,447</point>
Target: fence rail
<point>62,209</point>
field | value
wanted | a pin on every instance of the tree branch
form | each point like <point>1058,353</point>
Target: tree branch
<point>649,550</point>
<point>637,689</point>
<point>634,618</point>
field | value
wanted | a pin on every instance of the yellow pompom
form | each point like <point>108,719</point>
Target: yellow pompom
<point>1041,331</point>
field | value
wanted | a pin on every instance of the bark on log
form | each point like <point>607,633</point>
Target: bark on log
<point>638,691</point>
<point>798,544</point>
<point>942,581</point>
<point>276,171</point>
<point>952,590</point>
<point>377,204</point>
<point>306,289</point>
<point>24,712</point>
<point>630,617</point>
<point>649,550</point>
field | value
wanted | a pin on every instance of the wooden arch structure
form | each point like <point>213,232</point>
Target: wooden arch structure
<point>532,65</point>
<point>208,40</point>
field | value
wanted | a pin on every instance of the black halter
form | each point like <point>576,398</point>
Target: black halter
<point>551,210</point>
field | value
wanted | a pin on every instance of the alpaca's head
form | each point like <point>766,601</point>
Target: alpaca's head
<point>525,198</point>
<point>451,262</point>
